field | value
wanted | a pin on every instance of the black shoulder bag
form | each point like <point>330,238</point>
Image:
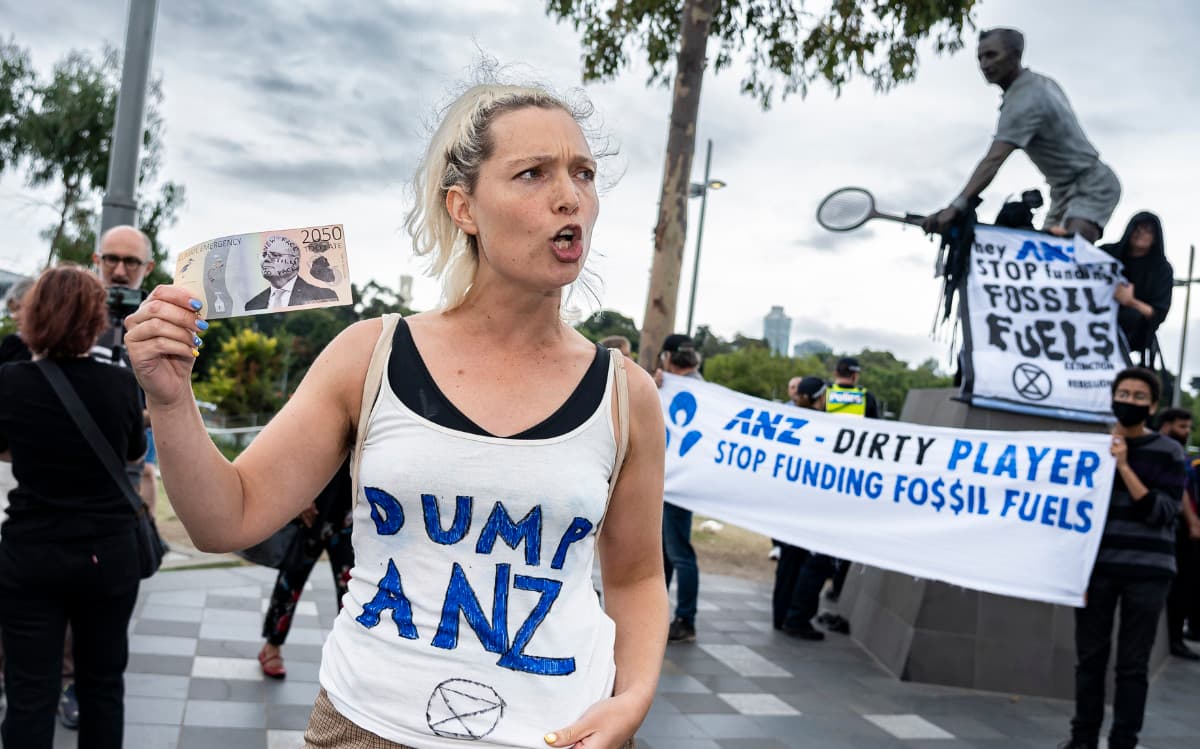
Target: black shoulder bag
<point>151,548</point>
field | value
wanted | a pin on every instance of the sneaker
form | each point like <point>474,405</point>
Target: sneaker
<point>681,631</point>
<point>1179,650</point>
<point>774,553</point>
<point>834,622</point>
<point>68,708</point>
<point>805,631</point>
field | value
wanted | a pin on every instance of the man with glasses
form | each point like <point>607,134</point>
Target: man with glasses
<point>123,259</point>
<point>1133,570</point>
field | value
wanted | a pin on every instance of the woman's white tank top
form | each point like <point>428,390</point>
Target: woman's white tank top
<point>470,617</point>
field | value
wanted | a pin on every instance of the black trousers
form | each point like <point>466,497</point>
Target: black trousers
<point>799,577</point>
<point>92,585</point>
<point>1183,602</point>
<point>332,535</point>
<point>1141,604</point>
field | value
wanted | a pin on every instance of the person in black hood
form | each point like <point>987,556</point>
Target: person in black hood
<point>1146,299</point>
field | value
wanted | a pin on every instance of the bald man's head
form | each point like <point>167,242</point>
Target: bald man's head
<point>123,258</point>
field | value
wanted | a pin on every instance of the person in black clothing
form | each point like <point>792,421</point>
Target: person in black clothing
<point>12,346</point>
<point>327,525</point>
<point>1176,423</point>
<point>800,573</point>
<point>1146,299</point>
<point>1133,569</point>
<point>69,551</point>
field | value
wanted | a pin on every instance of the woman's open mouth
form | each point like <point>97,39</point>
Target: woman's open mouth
<point>567,244</point>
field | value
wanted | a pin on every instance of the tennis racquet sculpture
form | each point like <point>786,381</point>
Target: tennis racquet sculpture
<point>848,208</point>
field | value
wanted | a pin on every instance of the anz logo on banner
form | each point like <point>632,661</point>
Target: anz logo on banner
<point>682,411</point>
<point>1046,252</point>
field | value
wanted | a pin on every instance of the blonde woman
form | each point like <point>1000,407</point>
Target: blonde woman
<point>483,481</point>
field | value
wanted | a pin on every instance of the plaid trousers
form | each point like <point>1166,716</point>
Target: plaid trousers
<point>329,729</point>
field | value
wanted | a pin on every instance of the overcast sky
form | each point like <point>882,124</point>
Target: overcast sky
<point>299,112</point>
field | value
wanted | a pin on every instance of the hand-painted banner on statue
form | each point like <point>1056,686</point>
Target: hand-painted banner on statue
<point>1014,513</point>
<point>1041,325</point>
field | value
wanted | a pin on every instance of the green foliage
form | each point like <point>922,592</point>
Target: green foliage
<point>299,338</point>
<point>753,370</point>
<point>16,83</point>
<point>376,300</point>
<point>780,41</point>
<point>609,322</point>
<point>245,378</point>
<point>60,131</point>
<point>890,378</point>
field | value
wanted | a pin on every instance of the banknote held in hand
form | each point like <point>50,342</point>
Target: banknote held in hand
<point>266,272</point>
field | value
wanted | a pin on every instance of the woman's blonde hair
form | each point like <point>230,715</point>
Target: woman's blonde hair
<point>459,146</point>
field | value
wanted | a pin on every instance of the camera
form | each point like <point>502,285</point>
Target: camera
<point>1018,214</point>
<point>123,301</point>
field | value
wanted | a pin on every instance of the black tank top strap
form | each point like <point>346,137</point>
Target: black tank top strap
<point>410,380</point>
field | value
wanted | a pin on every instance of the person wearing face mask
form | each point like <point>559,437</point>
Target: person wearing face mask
<point>1133,570</point>
<point>1182,602</point>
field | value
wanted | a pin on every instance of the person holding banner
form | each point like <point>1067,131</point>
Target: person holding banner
<point>496,453</point>
<point>1146,299</point>
<point>678,356</point>
<point>1133,568</point>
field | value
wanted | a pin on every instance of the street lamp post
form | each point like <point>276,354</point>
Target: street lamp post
<point>700,190</point>
<point>120,203</point>
<point>1187,302</point>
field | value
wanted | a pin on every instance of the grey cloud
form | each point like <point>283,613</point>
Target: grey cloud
<point>313,177</point>
<point>207,16</point>
<point>277,82</point>
<point>823,240</point>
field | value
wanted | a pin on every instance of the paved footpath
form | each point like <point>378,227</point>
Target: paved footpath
<point>193,681</point>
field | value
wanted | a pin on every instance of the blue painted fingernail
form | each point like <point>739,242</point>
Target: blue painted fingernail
<point>196,304</point>
<point>202,324</point>
<point>196,341</point>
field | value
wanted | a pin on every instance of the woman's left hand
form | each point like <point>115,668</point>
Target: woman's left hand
<point>608,724</point>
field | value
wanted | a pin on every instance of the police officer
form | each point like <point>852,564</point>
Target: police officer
<point>845,397</point>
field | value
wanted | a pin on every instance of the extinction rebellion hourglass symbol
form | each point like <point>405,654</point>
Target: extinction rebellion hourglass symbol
<point>1031,382</point>
<point>463,709</point>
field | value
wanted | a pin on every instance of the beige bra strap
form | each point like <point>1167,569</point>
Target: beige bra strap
<point>371,386</point>
<point>622,395</point>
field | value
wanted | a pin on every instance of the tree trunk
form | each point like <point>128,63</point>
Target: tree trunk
<point>68,201</point>
<point>671,230</point>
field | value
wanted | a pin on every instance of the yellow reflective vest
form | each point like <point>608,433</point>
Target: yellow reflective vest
<point>849,401</point>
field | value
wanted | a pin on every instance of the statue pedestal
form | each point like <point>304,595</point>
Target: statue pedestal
<point>933,632</point>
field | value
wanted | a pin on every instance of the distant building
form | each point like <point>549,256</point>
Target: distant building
<point>404,296</point>
<point>811,346</point>
<point>777,330</point>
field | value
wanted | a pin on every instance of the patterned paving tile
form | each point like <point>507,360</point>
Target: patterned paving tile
<point>909,727</point>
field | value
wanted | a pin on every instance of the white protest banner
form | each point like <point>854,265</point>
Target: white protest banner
<point>1014,513</point>
<point>1041,325</point>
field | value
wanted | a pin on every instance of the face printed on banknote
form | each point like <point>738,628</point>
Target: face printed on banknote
<point>280,260</point>
<point>250,274</point>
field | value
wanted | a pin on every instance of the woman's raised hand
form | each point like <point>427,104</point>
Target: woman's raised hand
<point>163,341</point>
